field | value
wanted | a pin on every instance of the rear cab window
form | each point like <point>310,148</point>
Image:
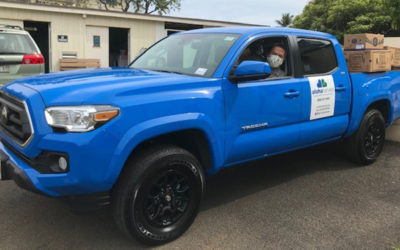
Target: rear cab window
<point>16,44</point>
<point>317,56</point>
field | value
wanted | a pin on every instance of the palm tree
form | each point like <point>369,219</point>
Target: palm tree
<point>286,20</point>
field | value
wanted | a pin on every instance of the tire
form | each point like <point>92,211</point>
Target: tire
<point>366,144</point>
<point>158,194</point>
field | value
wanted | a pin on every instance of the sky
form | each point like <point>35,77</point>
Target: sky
<point>263,12</point>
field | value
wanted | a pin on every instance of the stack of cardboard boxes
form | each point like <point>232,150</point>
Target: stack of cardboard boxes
<point>366,53</point>
<point>395,57</point>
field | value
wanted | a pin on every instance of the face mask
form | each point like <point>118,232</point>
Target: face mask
<point>274,61</point>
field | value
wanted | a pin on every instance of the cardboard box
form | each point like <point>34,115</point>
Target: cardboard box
<point>363,41</point>
<point>369,60</point>
<point>395,55</point>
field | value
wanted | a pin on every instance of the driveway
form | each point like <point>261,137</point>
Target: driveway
<point>312,198</point>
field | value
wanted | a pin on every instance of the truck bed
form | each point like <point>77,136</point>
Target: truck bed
<point>371,87</point>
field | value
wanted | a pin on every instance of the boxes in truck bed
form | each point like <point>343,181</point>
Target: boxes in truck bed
<point>368,60</point>
<point>363,41</point>
<point>395,56</point>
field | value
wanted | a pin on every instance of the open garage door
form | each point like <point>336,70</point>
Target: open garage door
<point>118,47</point>
<point>40,33</point>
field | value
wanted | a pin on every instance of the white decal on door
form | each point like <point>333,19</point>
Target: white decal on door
<point>322,96</point>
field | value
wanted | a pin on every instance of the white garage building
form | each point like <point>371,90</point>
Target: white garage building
<point>113,37</point>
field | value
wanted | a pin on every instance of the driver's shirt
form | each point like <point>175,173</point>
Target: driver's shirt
<point>277,72</point>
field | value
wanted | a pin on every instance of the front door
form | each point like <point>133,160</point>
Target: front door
<point>263,116</point>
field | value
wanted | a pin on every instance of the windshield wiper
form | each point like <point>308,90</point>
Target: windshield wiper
<point>167,71</point>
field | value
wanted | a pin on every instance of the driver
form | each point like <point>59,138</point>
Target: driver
<point>275,58</point>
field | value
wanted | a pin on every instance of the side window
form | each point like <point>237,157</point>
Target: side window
<point>273,50</point>
<point>317,56</point>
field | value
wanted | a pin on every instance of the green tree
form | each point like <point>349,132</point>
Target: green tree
<point>345,16</point>
<point>286,20</point>
<point>110,3</point>
<point>393,9</point>
<point>143,6</point>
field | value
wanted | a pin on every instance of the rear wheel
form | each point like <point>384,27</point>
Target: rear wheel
<point>158,195</point>
<point>365,145</point>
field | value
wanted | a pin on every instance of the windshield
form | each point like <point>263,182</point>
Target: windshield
<point>189,54</point>
<point>12,44</point>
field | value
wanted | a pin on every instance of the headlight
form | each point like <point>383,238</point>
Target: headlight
<point>80,118</point>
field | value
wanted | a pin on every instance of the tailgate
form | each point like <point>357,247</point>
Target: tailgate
<point>10,64</point>
<point>14,47</point>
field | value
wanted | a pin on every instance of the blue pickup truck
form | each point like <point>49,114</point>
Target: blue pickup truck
<point>143,138</point>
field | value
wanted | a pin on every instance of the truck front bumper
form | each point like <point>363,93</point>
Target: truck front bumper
<point>10,171</point>
<point>87,165</point>
<point>13,168</point>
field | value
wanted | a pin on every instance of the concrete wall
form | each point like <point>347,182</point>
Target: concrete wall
<point>12,22</point>
<point>101,52</point>
<point>161,32</point>
<point>392,41</point>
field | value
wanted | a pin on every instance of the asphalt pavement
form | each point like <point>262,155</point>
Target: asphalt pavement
<point>309,199</point>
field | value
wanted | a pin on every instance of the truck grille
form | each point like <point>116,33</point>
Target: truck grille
<point>14,119</point>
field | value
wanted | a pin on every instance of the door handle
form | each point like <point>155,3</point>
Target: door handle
<point>292,94</point>
<point>340,88</point>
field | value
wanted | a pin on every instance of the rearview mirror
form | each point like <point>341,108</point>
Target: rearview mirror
<point>250,70</point>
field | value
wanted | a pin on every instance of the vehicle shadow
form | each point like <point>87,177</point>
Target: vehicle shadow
<point>245,179</point>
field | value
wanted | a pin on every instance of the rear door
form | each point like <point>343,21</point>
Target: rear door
<point>13,48</point>
<point>327,95</point>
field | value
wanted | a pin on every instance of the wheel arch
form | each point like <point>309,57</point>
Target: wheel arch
<point>381,103</point>
<point>193,140</point>
<point>384,106</point>
<point>179,130</point>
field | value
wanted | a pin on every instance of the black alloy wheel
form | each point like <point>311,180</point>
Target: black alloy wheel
<point>366,144</point>
<point>158,194</point>
<point>374,139</point>
<point>167,198</point>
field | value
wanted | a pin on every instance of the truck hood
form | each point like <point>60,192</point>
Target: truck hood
<point>102,85</point>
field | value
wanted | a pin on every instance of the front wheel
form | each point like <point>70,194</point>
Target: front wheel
<point>366,144</point>
<point>158,195</point>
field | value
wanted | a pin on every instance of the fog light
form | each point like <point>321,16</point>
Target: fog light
<point>62,163</point>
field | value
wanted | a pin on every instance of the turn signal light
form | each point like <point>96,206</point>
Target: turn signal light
<point>105,116</point>
<point>33,59</point>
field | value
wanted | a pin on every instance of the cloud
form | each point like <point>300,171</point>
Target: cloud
<point>262,12</point>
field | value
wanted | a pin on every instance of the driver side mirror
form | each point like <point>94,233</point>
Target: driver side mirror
<point>250,70</point>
